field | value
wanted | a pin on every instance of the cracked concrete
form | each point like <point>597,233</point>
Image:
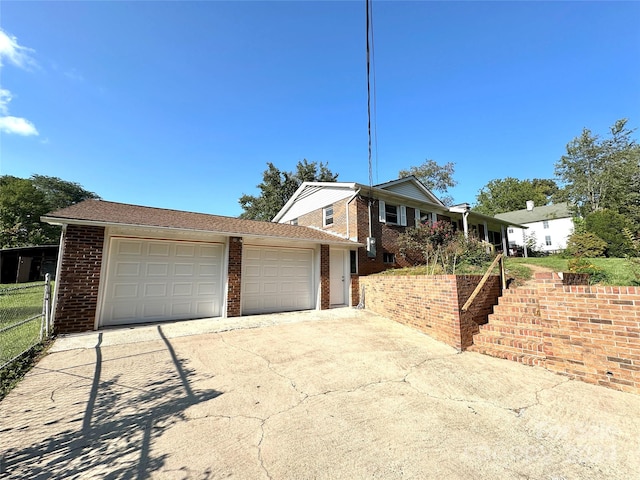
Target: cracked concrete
<point>326,395</point>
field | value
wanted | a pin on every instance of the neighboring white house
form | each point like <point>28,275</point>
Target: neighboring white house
<point>549,227</point>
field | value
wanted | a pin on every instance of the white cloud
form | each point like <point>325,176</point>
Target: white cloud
<point>19,56</point>
<point>5,98</point>
<point>14,53</point>
<point>18,126</point>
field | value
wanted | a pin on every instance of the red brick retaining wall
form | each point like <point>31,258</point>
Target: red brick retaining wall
<point>591,332</point>
<point>431,303</point>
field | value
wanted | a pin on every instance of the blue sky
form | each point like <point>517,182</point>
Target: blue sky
<point>181,104</point>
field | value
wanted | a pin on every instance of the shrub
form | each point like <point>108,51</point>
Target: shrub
<point>585,245</point>
<point>582,265</point>
<point>437,246</point>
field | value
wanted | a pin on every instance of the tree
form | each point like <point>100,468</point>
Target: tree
<point>23,201</point>
<point>610,227</point>
<point>278,186</point>
<point>438,178</point>
<point>601,173</point>
<point>505,195</point>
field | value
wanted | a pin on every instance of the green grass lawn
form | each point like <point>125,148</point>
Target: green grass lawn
<point>16,305</point>
<point>619,271</point>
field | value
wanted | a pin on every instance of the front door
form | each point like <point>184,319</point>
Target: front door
<point>337,277</point>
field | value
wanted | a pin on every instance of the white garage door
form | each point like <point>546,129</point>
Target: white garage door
<point>276,279</point>
<point>152,280</point>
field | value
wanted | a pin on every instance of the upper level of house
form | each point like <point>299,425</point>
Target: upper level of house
<point>376,215</point>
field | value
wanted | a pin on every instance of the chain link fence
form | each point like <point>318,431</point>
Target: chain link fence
<point>25,318</point>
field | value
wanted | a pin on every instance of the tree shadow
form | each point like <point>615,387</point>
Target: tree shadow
<point>118,427</point>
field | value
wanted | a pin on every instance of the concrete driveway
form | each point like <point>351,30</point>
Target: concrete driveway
<point>340,394</point>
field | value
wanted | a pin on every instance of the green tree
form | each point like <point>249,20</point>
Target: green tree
<point>23,201</point>
<point>438,178</point>
<point>505,195</point>
<point>610,227</point>
<point>600,172</point>
<point>278,186</point>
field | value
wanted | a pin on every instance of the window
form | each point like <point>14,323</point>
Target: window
<point>392,214</point>
<point>353,258</point>
<point>294,221</point>
<point>327,215</point>
<point>545,224</point>
<point>388,257</point>
<point>510,230</point>
<point>547,240</point>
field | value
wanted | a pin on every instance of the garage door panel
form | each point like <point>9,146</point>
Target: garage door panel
<point>276,279</point>
<point>147,280</point>
<point>125,290</point>
<point>155,290</point>
<point>158,249</point>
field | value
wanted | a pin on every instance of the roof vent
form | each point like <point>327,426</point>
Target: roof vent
<point>530,205</point>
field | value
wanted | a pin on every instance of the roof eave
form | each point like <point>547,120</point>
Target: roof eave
<point>96,223</point>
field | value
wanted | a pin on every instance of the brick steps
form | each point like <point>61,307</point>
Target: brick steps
<point>523,358</point>
<point>514,330</point>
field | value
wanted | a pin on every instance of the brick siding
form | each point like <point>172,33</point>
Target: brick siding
<point>78,283</point>
<point>431,303</point>
<point>234,280</point>
<point>325,279</point>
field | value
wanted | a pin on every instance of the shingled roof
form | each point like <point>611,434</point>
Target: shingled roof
<point>100,212</point>
<point>538,214</point>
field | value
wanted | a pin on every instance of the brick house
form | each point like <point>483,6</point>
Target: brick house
<point>123,264</point>
<point>375,216</point>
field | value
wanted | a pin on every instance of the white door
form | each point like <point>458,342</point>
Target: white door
<point>153,280</point>
<point>276,279</point>
<point>337,277</point>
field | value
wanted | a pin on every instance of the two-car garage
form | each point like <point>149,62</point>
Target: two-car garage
<point>149,280</point>
<point>127,264</point>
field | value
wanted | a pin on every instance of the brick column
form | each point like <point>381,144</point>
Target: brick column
<point>79,279</point>
<point>234,273</point>
<point>325,282</point>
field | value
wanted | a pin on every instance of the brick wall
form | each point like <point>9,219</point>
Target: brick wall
<point>591,332</point>
<point>431,303</point>
<point>355,290</point>
<point>325,280</point>
<point>234,280</point>
<point>79,280</point>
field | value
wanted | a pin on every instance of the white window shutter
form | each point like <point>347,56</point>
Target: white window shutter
<point>381,211</point>
<point>417,217</point>
<point>403,215</point>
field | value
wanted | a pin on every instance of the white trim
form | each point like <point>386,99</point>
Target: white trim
<point>325,216</point>
<point>54,304</point>
<point>402,215</point>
